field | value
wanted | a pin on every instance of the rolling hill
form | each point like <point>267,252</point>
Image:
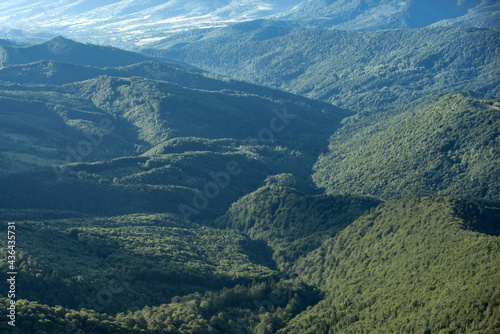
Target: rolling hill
<point>63,50</point>
<point>96,113</point>
<point>416,264</point>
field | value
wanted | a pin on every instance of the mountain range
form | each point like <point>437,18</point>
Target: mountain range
<point>263,177</point>
<point>353,69</point>
<point>131,24</point>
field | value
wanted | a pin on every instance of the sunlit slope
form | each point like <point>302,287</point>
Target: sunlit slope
<point>421,264</point>
<point>446,144</point>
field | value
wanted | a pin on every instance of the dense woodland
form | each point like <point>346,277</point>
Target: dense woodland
<point>152,197</point>
<point>444,144</point>
<point>359,70</point>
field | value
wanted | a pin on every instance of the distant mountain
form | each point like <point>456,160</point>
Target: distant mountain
<point>445,144</point>
<point>120,22</point>
<point>67,51</point>
<point>394,14</point>
<point>7,42</point>
<point>356,70</point>
<point>126,23</point>
<point>24,37</point>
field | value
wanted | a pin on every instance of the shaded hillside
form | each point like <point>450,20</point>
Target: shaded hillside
<point>96,114</point>
<point>237,310</point>
<point>446,144</point>
<point>413,265</point>
<point>162,110</point>
<point>190,128</point>
<point>292,223</point>
<point>143,260</point>
<point>418,265</point>
<point>50,72</point>
<point>41,126</point>
<point>193,177</point>
<point>357,70</point>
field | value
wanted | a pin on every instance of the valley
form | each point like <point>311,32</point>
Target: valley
<point>299,167</point>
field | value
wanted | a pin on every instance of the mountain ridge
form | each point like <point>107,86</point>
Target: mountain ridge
<point>151,198</point>
<point>122,23</point>
<point>65,50</point>
<point>356,70</point>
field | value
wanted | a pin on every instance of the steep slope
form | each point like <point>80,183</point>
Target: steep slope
<point>447,144</point>
<point>291,222</point>
<point>356,70</point>
<point>412,265</point>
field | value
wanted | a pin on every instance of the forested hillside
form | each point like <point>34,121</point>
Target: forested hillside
<point>417,264</point>
<point>444,144</point>
<point>96,114</point>
<point>65,50</point>
<point>292,223</point>
<point>357,70</point>
<point>428,264</point>
<point>149,196</point>
<point>206,177</point>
